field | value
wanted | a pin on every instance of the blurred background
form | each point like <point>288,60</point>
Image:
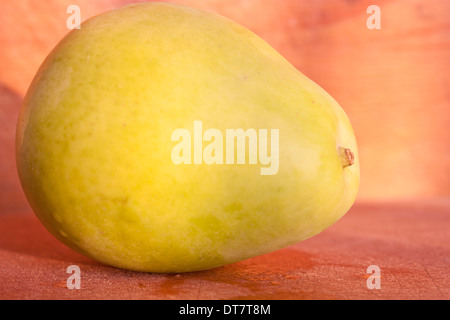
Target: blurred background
<point>393,82</point>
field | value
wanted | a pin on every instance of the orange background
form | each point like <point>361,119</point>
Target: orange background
<point>393,82</point>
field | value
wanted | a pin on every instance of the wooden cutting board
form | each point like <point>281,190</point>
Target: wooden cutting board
<point>408,241</point>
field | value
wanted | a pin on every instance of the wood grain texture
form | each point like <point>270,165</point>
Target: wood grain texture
<point>408,241</point>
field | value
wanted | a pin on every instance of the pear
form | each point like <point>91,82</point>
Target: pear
<point>162,138</point>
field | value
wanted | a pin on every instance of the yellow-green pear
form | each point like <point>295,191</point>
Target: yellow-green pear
<point>162,138</point>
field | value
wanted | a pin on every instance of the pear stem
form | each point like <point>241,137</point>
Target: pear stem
<point>347,157</point>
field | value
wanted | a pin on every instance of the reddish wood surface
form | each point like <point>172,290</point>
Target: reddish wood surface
<point>408,241</point>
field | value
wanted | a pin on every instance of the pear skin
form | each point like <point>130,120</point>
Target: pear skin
<point>94,143</point>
